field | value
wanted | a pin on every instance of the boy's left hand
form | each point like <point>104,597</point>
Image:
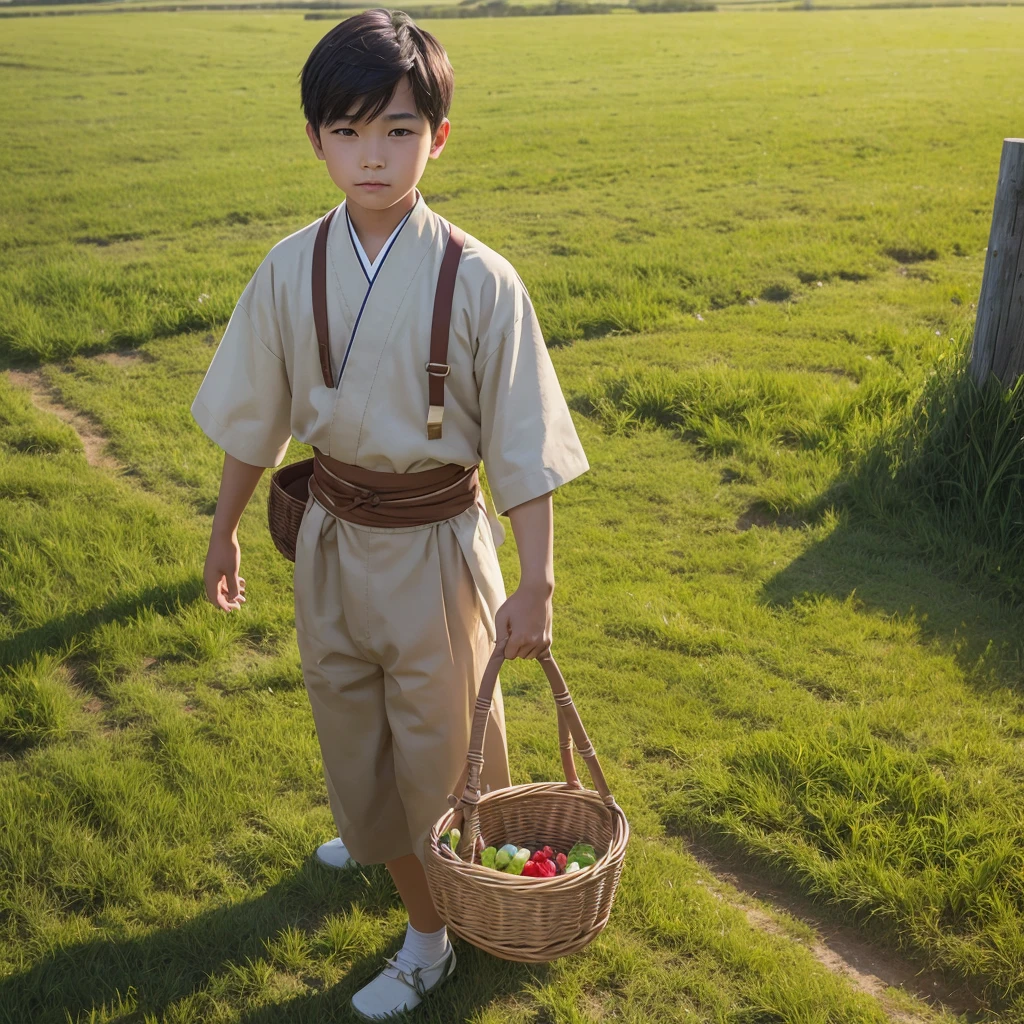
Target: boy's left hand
<point>525,618</point>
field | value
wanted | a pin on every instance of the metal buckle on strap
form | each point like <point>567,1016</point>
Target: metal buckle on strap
<point>437,373</point>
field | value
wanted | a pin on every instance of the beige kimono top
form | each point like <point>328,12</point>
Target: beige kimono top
<point>503,403</point>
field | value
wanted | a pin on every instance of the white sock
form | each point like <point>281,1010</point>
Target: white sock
<point>421,949</point>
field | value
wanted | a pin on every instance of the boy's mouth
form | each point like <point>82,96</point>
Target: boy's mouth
<point>371,184</point>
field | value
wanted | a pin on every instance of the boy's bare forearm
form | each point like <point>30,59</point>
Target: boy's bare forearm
<point>532,525</point>
<point>237,483</point>
<point>525,618</point>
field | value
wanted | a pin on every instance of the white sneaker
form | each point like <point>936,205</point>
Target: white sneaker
<point>396,990</point>
<point>334,854</point>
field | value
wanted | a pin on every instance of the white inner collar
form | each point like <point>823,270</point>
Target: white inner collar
<point>371,268</point>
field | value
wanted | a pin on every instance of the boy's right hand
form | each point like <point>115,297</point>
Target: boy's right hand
<point>224,587</point>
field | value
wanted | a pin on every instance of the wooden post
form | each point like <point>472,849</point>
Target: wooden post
<point>999,329</point>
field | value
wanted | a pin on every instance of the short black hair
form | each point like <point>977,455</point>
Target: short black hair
<point>360,62</point>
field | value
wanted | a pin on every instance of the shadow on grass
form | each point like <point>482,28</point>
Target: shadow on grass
<point>868,562</point>
<point>58,635</point>
<point>934,523</point>
<point>170,964</point>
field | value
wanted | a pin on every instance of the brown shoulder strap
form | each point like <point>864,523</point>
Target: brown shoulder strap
<point>440,328</point>
<point>320,297</point>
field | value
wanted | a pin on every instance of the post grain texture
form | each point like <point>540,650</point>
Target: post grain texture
<point>998,346</point>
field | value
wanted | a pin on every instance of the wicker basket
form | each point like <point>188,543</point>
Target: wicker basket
<point>286,503</point>
<point>531,920</point>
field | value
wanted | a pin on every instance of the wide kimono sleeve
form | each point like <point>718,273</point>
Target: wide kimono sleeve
<point>528,441</point>
<point>244,401</point>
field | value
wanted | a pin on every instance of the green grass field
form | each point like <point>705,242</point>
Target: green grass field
<point>754,241</point>
<point>323,9</point>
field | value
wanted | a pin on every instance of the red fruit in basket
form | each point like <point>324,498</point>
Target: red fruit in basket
<point>546,868</point>
<point>548,852</point>
<point>539,855</point>
<point>560,861</point>
<point>530,869</point>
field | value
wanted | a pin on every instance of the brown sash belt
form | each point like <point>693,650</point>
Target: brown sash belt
<point>371,498</point>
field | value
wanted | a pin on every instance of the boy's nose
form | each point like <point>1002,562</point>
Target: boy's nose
<point>372,162</point>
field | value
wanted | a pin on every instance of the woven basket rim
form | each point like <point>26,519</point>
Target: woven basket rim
<point>606,862</point>
<point>490,876</point>
<point>552,789</point>
<point>540,788</point>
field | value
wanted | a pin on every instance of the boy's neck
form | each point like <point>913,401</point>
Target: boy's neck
<point>374,227</point>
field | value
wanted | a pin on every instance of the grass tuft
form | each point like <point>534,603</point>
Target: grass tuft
<point>951,473</point>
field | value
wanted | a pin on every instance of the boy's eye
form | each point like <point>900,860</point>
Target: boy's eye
<point>345,131</point>
<point>403,131</point>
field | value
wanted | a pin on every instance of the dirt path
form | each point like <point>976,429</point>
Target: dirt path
<point>840,948</point>
<point>90,431</point>
<point>48,399</point>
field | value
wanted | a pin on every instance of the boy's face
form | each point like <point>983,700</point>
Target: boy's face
<point>376,163</point>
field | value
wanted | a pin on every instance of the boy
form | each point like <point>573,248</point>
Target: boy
<point>394,622</point>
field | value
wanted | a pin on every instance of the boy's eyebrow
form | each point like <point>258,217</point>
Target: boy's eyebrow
<point>401,116</point>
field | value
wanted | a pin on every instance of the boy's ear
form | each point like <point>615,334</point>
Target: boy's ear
<point>314,140</point>
<point>440,138</point>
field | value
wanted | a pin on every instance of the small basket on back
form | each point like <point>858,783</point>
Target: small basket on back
<point>286,503</point>
<point>531,920</point>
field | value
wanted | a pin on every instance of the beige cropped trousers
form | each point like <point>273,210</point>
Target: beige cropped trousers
<point>393,643</point>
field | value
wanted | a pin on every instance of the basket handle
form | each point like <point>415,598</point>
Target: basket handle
<point>570,728</point>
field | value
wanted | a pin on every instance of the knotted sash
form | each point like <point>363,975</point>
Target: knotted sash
<point>392,499</point>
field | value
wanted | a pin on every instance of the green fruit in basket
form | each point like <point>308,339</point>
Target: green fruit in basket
<point>502,858</point>
<point>454,836</point>
<point>518,862</point>
<point>487,857</point>
<point>583,854</point>
<point>572,866</point>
